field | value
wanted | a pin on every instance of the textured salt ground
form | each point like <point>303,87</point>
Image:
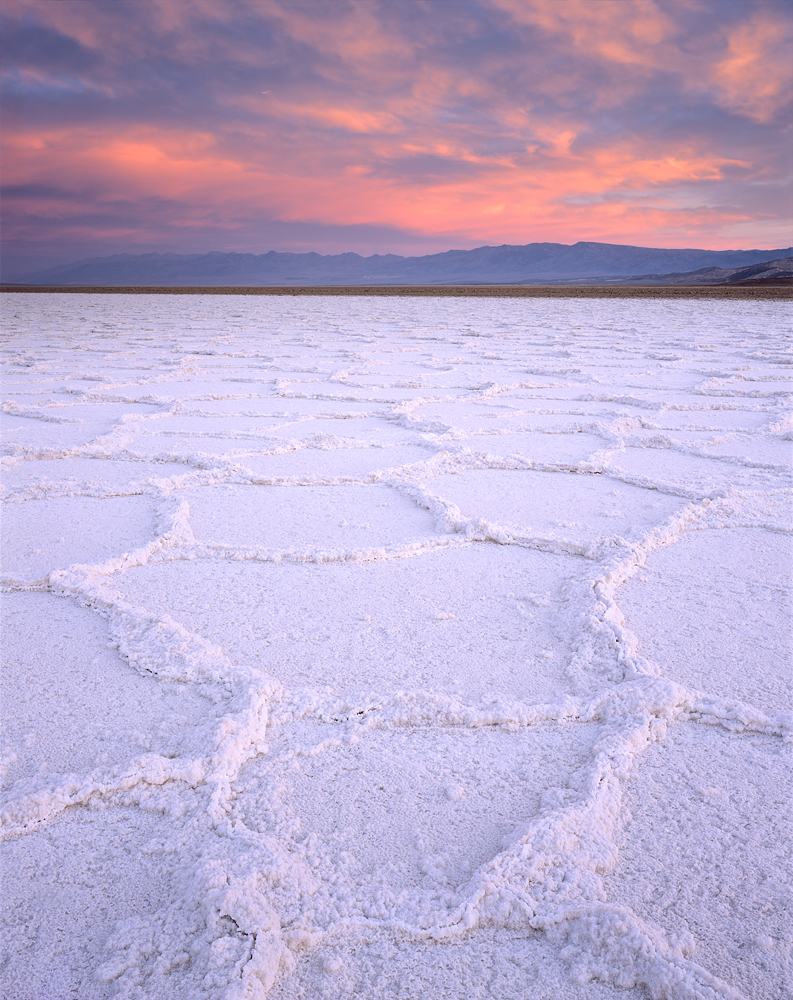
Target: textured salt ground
<point>492,964</point>
<point>566,448</point>
<point>710,420</point>
<point>712,618</point>
<point>42,535</point>
<point>582,507</point>
<point>477,623</point>
<point>30,433</point>
<point>58,670</point>
<point>499,753</point>
<point>330,517</point>
<point>675,471</point>
<point>334,462</point>
<point>396,824</point>
<point>266,408</point>
<point>707,852</point>
<point>771,452</point>
<point>72,476</point>
<point>94,867</point>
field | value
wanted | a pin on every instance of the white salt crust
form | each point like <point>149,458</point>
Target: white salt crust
<point>395,648</point>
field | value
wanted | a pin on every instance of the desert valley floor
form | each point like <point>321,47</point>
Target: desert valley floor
<point>396,648</point>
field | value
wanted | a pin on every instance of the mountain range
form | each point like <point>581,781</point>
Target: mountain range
<point>534,263</point>
<point>770,272</point>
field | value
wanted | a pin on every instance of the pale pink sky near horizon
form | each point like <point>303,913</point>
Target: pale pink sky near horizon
<point>400,126</point>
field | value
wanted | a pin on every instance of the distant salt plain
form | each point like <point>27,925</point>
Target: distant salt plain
<point>396,648</point>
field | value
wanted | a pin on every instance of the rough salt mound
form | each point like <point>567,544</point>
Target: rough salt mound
<point>396,648</point>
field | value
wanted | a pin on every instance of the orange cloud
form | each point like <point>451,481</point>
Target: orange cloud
<point>506,201</point>
<point>631,32</point>
<point>756,76</point>
<point>137,163</point>
<point>583,119</point>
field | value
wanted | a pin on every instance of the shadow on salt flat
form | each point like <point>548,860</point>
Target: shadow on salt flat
<point>91,867</point>
<point>713,610</point>
<point>71,705</point>
<point>707,852</point>
<point>379,965</point>
<point>396,825</point>
<point>322,517</point>
<point>43,535</point>
<point>479,621</point>
<point>577,507</point>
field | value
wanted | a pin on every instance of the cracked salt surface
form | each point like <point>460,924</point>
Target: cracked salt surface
<point>394,648</point>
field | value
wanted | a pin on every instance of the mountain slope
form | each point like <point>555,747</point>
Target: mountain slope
<point>770,271</point>
<point>504,264</point>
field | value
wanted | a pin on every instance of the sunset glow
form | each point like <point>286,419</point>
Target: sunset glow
<point>398,126</point>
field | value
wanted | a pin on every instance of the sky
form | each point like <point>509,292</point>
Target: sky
<point>401,126</point>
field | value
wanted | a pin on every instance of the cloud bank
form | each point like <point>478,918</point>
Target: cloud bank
<point>394,125</point>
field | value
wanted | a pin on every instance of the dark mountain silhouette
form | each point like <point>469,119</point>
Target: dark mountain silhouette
<point>535,262</point>
<point>774,271</point>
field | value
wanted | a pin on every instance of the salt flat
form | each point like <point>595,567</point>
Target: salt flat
<point>396,648</point>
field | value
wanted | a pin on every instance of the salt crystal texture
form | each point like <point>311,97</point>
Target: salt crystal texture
<point>396,647</point>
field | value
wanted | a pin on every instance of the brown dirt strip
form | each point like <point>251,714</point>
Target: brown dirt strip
<point>738,290</point>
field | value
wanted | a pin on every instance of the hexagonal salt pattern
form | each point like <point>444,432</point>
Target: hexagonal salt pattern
<point>477,622</point>
<point>396,648</point>
<point>394,822</point>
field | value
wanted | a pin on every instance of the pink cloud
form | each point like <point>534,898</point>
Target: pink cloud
<point>629,122</point>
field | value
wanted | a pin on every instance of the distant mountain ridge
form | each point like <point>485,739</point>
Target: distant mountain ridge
<point>484,265</point>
